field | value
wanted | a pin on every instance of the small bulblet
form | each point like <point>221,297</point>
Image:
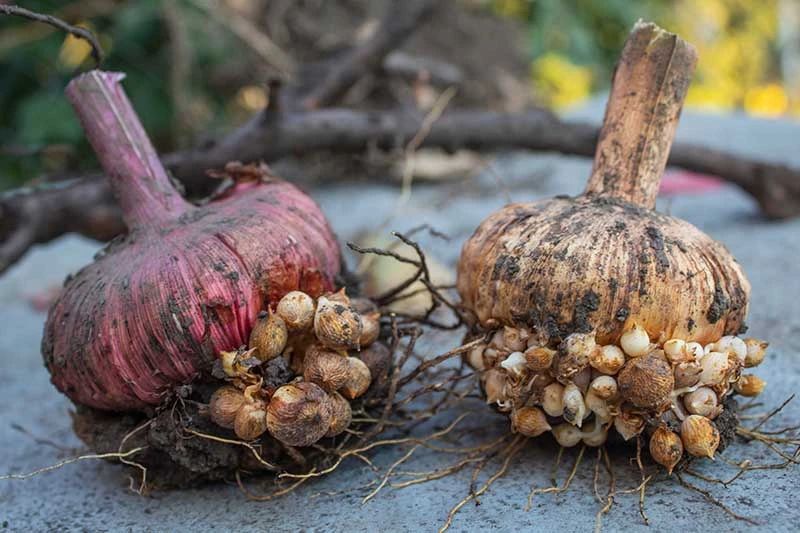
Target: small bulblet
<point>358,379</point>
<point>749,385</point>
<point>553,399</point>
<point>666,448</point>
<point>687,374</point>
<point>756,350</point>
<point>646,381</point>
<point>378,359</point>
<point>538,358</point>
<point>370,328</point>
<point>337,325</point>
<point>574,407</point>
<point>251,420</point>
<point>327,369</point>
<point>224,404</point>
<point>702,401</point>
<point>529,421</point>
<point>341,415</point>
<point>297,310</point>
<point>635,342</point>
<point>608,359</point>
<point>269,336</point>
<point>700,436</point>
<point>515,339</point>
<point>299,414</point>
<point>567,435</point>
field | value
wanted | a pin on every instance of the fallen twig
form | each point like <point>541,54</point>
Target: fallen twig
<point>77,31</point>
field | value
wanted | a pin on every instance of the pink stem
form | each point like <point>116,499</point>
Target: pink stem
<point>138,179</point>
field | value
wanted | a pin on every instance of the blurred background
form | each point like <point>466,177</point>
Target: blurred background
<point>196,68</point>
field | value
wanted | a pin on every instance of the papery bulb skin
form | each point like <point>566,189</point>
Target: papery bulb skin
<point>156,306</point>
<point>605,261</point>
<point>582,264</point>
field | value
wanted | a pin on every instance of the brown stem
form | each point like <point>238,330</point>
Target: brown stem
<point>647,93</point>
<point>138,179</point>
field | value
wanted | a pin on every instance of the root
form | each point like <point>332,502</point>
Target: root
<point>510,452</point>
<point>387,475</point>
<point>247,445</point>
<point>422,275</point>
<point>267,497</point>
<point>612,484</point>
<point>711,499</point>
<point>643,486</point>
<point>115,455</point>
<point>143,483</point>
<point>773,413</point>
<point>555,488</point>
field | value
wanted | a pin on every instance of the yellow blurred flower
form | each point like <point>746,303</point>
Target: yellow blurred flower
<point>768,100</point>
<point>74,50</point>
<point>252,98</point>
<point>511,8</point>
<point>560,82</point>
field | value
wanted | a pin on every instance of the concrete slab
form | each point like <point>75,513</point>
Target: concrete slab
<point>95,496</point>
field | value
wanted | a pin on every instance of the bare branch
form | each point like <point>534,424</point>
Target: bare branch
<point>775,187</point>
<point>398,24</point>
<point>36,215</point>
<point>80,33</point>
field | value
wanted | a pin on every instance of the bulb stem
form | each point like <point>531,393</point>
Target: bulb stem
<point>647,93</point>
<point>139,181</point>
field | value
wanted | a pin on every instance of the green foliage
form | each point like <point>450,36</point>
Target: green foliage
<point>40,133</point>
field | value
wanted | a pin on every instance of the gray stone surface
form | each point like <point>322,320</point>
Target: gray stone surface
<point>94,495</point>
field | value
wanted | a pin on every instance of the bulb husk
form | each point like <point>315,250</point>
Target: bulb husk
<point>494,384</point>
<point>296,309</point>
<point>269,336</point>
<point>224,404</point>
<point>299,414</point>
<point>475,357</point>
<point>628,424</point>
